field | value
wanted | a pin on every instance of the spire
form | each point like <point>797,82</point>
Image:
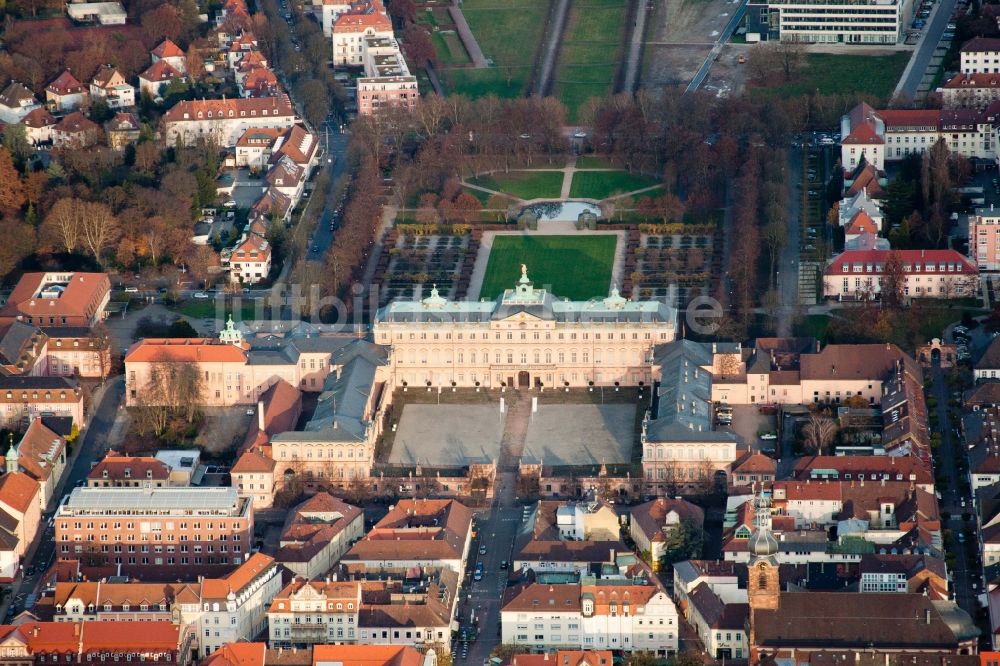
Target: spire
<point>762,544</point>
<point>230,333</point>
<point>11,457</point>
<point>435,300</point>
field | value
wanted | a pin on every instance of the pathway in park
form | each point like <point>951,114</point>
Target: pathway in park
<point>635,47</point>
<point>567,183</point>
<point>553,37</point>
<point>479,60</point>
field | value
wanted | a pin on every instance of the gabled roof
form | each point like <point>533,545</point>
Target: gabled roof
<point>990,359</point>
<point>38,118</point>
<point>238,579</point>
<point>873,261</point>
<point>428,529</point>
<point>18,491</point>
<point>990,44</point>
<point>38,450</point>
<point>253,461</point>
<point>237,654</point>
<point>104,75</point>
<point>167,49</point>
<point>123,121</point>
<point>65,84</point>
<point>76,123</point>
<point>115,467</point>
<point>861,223</point>
<point>15,94</point>
<point>160,71</point>
<point>241,107</point>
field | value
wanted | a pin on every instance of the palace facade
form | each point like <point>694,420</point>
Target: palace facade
<point>526,338</point>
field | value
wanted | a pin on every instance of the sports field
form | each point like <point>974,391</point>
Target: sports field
<point>574,267</point>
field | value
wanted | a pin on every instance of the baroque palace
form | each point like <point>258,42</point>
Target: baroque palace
<point>526,338</point>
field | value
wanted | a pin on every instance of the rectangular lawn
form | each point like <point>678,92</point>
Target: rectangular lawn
<point>574,267</point>
<point>590,52</point>
<point>524,184</point>
<point>508,32</point>
<point>832,74</point>
<point>602,184</point>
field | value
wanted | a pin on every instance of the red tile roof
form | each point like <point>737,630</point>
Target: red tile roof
<point>903,118</point>
<point>65,84</point>
<point>861,223</point>
<point>367,655</point>
<point>873,262</point>
<point>240,107</point>
<point>246,573</point>
<point>237,654</point>
<point>186,350</point>
<point>160,71</point>
<point>81,297</point>
<point>38,449</point>
<point>18,491</point>
<point>167,49</point>
<point>38,118</point>
<point>980,80</point>
<point>253,461</point>
<point>76,123</point>
<point>119,467</point>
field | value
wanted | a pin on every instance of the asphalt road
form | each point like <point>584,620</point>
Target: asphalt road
<point>92,448</point>
<point>323,236</point>
<point>497,528</point>
<point>724,37</point>
<point>921,57</point>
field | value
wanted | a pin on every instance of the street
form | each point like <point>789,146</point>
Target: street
<point>336,150</point>
<point>91,447</point>
<point>921,58</point>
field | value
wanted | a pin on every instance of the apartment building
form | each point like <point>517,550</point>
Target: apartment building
<point>651,523</point>
<point>20,517</point>
<point>182,532</point>
<point>250,261</point>
<point>24,399</point>
<point>375,611</point>
<point>859,274</point>
<point>387,81</point>
<point>980,55</point>
<point>119,471</point>
<point>213,611</point>
<point>57,299</point>
<point>94,643</point>
<point>226,120</point>
<point>317,533</point>
<point>349,30</point>
<point>984,239</point>
<point>75,351</point>
<point>590,615</point>
<point>66,93</point>
<point>421,533</point>
<point>527,337</point>
<point>829,21</point>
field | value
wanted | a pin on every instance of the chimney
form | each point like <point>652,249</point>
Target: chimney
<point>927,615</point>
<point>260,415</point>
<point>546,657</point>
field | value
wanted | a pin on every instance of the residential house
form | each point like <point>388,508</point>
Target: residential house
<point>970,90</point>
<point>75,131</point>
<point>287,177</point>
<point>721,626</point>
<point>154,80</point>
<point>115,470</point>
<point>168,52</point>
<point>752,469</point>
<point>75,351</point>
<point>349,29</point>
<point>253,148</point>
<point>980,55</point>
<point>110,85</point>
<point>122,130</point>
<point>250,261</point>
<point>38,126</point>
<point>16,101</point>
<point>915,574</point>
<point>651,523</point>
<point>317,533</point>
<point>66,93</point>
<point>41,454</point>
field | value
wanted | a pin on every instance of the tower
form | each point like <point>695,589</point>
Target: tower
<point>763,586</point>
<point>10,460</point>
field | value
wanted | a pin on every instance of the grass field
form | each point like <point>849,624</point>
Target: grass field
<point>574,267</point>
<point>524,184</point>
<point>204,308</point>
<point>494,22</point>
<point>831,74</point>
<point>602,184</point>
<point>449,48</point>
<point>590,52</point>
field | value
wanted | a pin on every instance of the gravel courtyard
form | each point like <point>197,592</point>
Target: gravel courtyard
<point>447,435</point>
<point>580,434</point>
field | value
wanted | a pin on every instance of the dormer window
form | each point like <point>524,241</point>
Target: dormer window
<point>588,607</point>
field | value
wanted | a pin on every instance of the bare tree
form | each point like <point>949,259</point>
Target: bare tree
<point>99,228</point>
<point>62,225</point>
<point>819,432</point>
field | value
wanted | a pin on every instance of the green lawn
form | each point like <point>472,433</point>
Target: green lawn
<point>524,184</point>
<point>508,32</point>
<point>449,48</point>
<point>602,184</point>
<point>574,267</point>
<point>590,52</point>
<point>834,74</point>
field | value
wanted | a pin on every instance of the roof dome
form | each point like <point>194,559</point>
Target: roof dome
<point>762,543</point>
